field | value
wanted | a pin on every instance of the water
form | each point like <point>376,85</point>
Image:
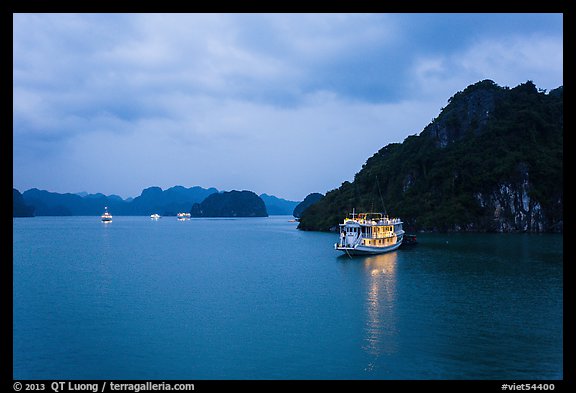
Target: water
<point>257,299</point>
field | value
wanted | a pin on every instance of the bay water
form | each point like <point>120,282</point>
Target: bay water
<point>255,298</point>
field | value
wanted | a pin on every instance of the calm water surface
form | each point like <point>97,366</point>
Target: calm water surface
<point>257,299</point>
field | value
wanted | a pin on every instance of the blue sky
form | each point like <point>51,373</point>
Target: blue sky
<point>285,104</point>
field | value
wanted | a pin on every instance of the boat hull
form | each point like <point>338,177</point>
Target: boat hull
<point>366,250</point>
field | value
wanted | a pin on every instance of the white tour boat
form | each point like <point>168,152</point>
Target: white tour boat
<point>369,233</point>
<point>106,217</point>
<point>155,216</point>
<point>183,216</point>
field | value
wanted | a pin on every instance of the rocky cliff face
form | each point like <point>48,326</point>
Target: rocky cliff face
<point>510,207</point>
<point>469,112</point>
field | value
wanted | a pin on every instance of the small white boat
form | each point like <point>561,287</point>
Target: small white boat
<point>106,217</point>
<point>155,216</point>
<point>183,216</point>
<point>369,233</point>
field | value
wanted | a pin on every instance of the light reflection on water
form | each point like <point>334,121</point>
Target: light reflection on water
<point>380,329</point>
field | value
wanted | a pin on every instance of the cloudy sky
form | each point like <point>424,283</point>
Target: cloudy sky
<point>285,104</point>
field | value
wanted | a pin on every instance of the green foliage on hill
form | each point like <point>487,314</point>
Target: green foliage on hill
<point>491,161</point>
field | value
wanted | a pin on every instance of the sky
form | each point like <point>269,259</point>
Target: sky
<point>283,104</point>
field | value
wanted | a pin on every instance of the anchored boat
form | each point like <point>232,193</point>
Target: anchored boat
<point>106,217</point>
<point>369,233</point>
<point>183,216</point>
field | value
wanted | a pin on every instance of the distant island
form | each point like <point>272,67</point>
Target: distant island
<point>492,161</point>
<point>230,204</point>
<point>306,203</point>
<point>152,200</point>
<point>19,207</point>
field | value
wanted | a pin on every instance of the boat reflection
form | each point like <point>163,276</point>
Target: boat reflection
<point>380,328</point>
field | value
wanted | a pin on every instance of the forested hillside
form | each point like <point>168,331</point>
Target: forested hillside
<point>491,161</point>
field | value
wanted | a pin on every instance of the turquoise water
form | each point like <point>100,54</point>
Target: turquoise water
<point>257,299</point>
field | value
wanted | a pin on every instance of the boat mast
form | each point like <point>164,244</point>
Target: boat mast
<point>381,199</point>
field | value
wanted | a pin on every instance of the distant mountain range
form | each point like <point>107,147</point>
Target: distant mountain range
<point>167,202</point>
<point>278,206</point>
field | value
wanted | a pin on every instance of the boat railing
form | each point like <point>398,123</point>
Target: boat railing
<point>381,221</point>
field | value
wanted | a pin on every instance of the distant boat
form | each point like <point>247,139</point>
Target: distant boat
<point>183,216</point>
<point>155,216</point>
<point>369,233</point>
<point>106,217</point>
